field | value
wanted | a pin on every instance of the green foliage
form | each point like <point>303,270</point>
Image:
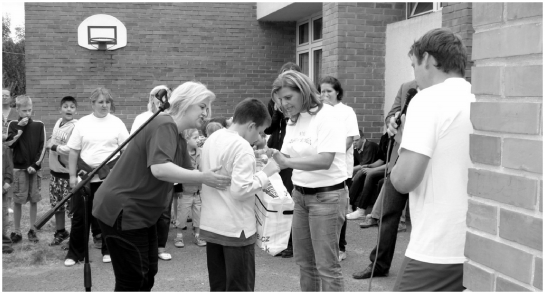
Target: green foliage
<point>13,58</point>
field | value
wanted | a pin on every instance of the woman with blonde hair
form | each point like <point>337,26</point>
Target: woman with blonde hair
<point>314,146</point>
<point>134,195</point>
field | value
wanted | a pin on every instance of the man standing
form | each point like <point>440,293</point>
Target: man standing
<point>433,165</point>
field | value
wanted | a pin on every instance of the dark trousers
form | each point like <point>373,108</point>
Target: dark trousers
<point>163,224</point>
<point>421,276</point>
<point>134,256</point>
<point>369,192</point>
<point>394,203</point>
<point>231,268</point>
<point>285,174</point>
<point>342,239</point>
<point>76,247</point>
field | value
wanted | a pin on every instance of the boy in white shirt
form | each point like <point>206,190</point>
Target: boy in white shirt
<point>228,223</point>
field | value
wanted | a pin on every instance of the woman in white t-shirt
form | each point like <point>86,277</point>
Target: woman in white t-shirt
<point>93,139</point>
<point>314,146</point>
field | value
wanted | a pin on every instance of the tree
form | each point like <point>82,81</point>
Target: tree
<point>13,58</point>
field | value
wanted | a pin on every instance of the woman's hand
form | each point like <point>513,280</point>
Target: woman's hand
<point>216,181</point>
<point>73,181</point>
<point>280,159</point>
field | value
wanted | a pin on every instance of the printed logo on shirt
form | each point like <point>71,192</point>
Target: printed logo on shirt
<point>60,136</point>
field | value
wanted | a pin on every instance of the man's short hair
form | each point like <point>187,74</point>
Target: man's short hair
<point>446,47</point>
<point>252,110</point>
<point>22,100</point>
<point>69,99</point>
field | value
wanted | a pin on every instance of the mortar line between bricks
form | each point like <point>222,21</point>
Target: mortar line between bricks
<point>533,252</point>
<point>508,171</point>
<point>501,205</point>
<point>517,60</point>
<point>508,136</point>
<point>517,282</point>
<point>509,99</point>
<point>507,24</point>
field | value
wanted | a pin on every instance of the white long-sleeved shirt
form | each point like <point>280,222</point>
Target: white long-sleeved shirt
<point>231,211</point>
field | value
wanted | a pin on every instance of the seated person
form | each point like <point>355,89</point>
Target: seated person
<point>365,152</point>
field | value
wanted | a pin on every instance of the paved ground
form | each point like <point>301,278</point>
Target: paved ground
<point>187,270</point>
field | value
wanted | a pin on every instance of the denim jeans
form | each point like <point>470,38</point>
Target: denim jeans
<point>369,193</point>
<point>134,255</point>
<point>394,203</point>
<point>231,268</point>
<point>317,222</point>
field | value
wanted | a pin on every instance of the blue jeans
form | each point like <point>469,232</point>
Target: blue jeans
<point>394,203</point>
<point>317,222</point>
<point>134,255</point>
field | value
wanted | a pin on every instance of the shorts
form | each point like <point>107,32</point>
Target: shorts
<point>26,187</point>
<point>58,189</point>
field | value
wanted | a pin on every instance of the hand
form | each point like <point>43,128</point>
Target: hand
<point>216,181</point>
<point>281,159</point>
<point>49,144</point>
<point>6,187</point>
<point>356,169</point>
<point>271,168</point>
<point>392,126</point>
<point>73,181</point>
<point>15,138</point>
<point>23,122</point>
<point>399,135</point>
<point>31,170</point>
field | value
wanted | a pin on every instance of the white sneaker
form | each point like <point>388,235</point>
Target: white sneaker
<point>106,258</point>
<point>358,214</point>
<point>69,262</point>
<point>342,255</point>
<point>10,210</point>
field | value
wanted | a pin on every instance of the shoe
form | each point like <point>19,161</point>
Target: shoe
<point>69,262</point>
<point>369,222</point>
<point>106,258</point>
<point>97,240</point>
<point>366,273</point>
<point>7,248</point>
<point>59,237</point>
<point>288,252</point>
<point>358,214</point>
<point>189,219</point>
<point>165,256</point>
<point>10,210</point>
<point>6,239</point>
<point>179,241</point>
<point>65,246</point>
<point>16,237</point>
<point>200,242</point>
<point>32,236</point>
<point>342,255</point>
<point>402,227</point>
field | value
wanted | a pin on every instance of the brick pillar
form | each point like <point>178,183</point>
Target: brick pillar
<point>505,217</point>
<point>354,49</point>
<point>458,17</point>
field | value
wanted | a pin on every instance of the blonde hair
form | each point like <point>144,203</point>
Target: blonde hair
<point>212,127</point>
<point>302,84</point>
<point>187,94</point>
<point>152,107</point>
<point>22,100</point>
<point>188,132</point>
<point>104,93</point>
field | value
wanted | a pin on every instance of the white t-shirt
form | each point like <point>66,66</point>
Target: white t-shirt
<point>140,120</point>
<point>97,138</point>
<point>351,124</point>
<point>438,126</point>
<point>314,134</point>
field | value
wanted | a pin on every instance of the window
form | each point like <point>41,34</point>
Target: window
<point>309,46</point>
<point>420,8</point>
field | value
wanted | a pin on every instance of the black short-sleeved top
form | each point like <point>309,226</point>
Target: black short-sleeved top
<point>131,187</point>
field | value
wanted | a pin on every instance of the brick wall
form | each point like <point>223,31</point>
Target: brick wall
<point>354,51</point>
<point>219,44</point>
<point>458,17</point>
<point>505,217</point>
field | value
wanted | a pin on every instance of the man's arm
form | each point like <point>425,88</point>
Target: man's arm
<point>409,170</point>
<point>395,107</point>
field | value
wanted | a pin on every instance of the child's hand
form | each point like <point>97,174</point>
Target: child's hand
<point>49,144</point>
<point>5,188</point>
<point>23,122</point>
<point>271,168</point>
<point>31,170</point>
<point>73,181</point>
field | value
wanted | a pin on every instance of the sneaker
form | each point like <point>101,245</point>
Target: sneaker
<point>16,237</point>
<point>369,222</point>
<point>200,242</point>
<point>179,241</point>
<point>358,214</point>
<point>342,255</point>
<point>402,227</point>
<point>165,256</point>
<point>10,210</point>
<point>59,237</point>
<point>69,262</point>
<point>6,239</point>
<point>7,248</point>
<point>106,258</point>
<point>97,240</point>
<point>32,236</point>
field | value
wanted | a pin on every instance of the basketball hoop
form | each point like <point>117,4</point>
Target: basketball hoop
<point>102,42</point>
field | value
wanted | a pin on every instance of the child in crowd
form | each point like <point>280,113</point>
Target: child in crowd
<point>228,223</point>
<point>7,175</point>
<point>59,186</point>
<point>28,153</point>
<point>190,198</point>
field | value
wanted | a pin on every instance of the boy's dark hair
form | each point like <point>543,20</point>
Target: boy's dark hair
<point>252,110</point>
<point>69,99</point>
<point>334,83</point>
<point>289,66</point>
<point>446,47</point>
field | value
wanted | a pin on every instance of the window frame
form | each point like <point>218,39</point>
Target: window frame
<point>436,7</point>
<point>311,46</point>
